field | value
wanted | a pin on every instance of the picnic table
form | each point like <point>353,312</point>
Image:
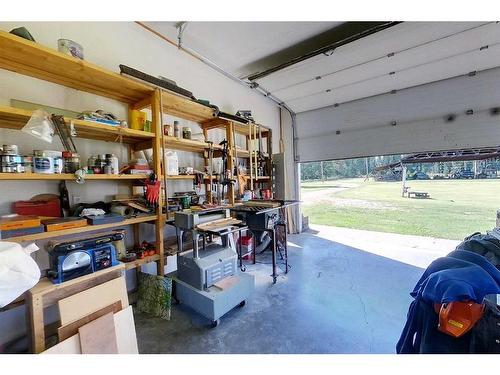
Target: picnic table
<point>418,194</point>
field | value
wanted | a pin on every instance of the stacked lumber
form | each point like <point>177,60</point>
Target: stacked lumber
<point>98,320</point>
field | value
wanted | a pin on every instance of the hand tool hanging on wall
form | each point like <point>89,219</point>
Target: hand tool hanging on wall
<point>210,171</point>
<point>260,155</point>
<point>225,177</point>
<point>241,187</point>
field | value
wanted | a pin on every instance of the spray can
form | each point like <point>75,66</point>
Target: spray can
<point>177,130</point>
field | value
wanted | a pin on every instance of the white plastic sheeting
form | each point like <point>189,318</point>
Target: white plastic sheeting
<point>18,272</point>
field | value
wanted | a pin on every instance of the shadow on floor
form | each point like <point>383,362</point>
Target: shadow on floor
<point>335,299</point>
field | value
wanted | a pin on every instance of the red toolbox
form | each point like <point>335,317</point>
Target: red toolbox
<point>47,208</point>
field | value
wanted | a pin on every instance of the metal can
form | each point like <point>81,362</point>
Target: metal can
<point>43,164</point>
<point>28,163</point>
<point>71,162</point>
<point>11,164</point>
<point>186,132</point>
<point>58,165</point>
<point>10,150</point>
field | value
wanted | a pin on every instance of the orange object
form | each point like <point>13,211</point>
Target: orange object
<point>19,222</point>
<point>63,223</point>
<point>457,318</point>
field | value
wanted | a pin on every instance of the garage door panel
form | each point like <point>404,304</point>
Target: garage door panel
<point>456,47</point>
<point>424,104</point>
<point>378,45</point>
<point>410,138</point>
<point>419,75</point>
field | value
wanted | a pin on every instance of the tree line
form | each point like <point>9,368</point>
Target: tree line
<point>362,167</point>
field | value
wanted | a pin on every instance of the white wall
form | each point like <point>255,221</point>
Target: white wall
<point>109,44</point>
<point>420,112</point>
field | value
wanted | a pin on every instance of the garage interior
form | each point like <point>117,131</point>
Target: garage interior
<point>151,194</point>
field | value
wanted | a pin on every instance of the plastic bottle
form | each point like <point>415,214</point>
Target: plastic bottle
<point>112,161</point>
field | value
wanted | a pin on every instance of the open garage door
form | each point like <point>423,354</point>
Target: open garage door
<point>416,86</point>
<point>451,114</point>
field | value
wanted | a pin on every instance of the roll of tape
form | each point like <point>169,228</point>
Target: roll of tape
<point>123,211</point>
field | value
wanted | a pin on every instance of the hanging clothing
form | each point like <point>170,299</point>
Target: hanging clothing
<point>421,335</point>
<point>460,276</point>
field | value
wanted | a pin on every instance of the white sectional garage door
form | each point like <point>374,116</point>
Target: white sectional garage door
<point>391,92</point>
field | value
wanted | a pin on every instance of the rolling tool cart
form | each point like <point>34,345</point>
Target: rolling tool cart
<point>207,279</point>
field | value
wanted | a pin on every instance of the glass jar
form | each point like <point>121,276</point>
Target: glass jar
<point>186,132</point>
<point>71,161</point>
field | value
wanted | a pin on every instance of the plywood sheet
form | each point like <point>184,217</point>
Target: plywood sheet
<point>68,346</point>
<point>87,302</point>
<point>71,329</point>
<point>126,337</point>
<point>99,336</point>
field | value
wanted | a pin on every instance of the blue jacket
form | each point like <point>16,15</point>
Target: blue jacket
<point>462,275</point>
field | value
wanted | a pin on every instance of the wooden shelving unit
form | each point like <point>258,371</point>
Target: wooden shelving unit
<point>185,108</point>
<point>88,228</point>
<point>249,154</point>
<point>16,118</point>
<point>139,262</point>
<point>32,59</point>
<point>70,177</point>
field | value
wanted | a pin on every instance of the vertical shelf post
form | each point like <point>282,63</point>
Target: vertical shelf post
<point>230,160</point>
<point>156,113</point>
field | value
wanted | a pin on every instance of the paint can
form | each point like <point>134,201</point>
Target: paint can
<point>43,164</point>
<point>11,164</point>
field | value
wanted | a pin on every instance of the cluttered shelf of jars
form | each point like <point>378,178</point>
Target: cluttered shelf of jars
<point>55,212</point>
<point>190,169</point>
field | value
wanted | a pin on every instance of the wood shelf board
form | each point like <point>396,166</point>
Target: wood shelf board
<point>33,59</point>
<point>221,123</point>
<point>69,176</point>
<point>88,228</point>
<point>16,118</point>
<point>185,108</point>
<point>139,262</point>
<point>192,145</point>
<point>257,178</point>
<point>180,177</point>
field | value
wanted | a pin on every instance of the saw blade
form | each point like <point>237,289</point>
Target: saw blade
<point>75,260</point>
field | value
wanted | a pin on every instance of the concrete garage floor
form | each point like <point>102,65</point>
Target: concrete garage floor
<point>347,292</point>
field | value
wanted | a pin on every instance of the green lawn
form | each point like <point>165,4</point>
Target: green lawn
<point>456,209</point>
